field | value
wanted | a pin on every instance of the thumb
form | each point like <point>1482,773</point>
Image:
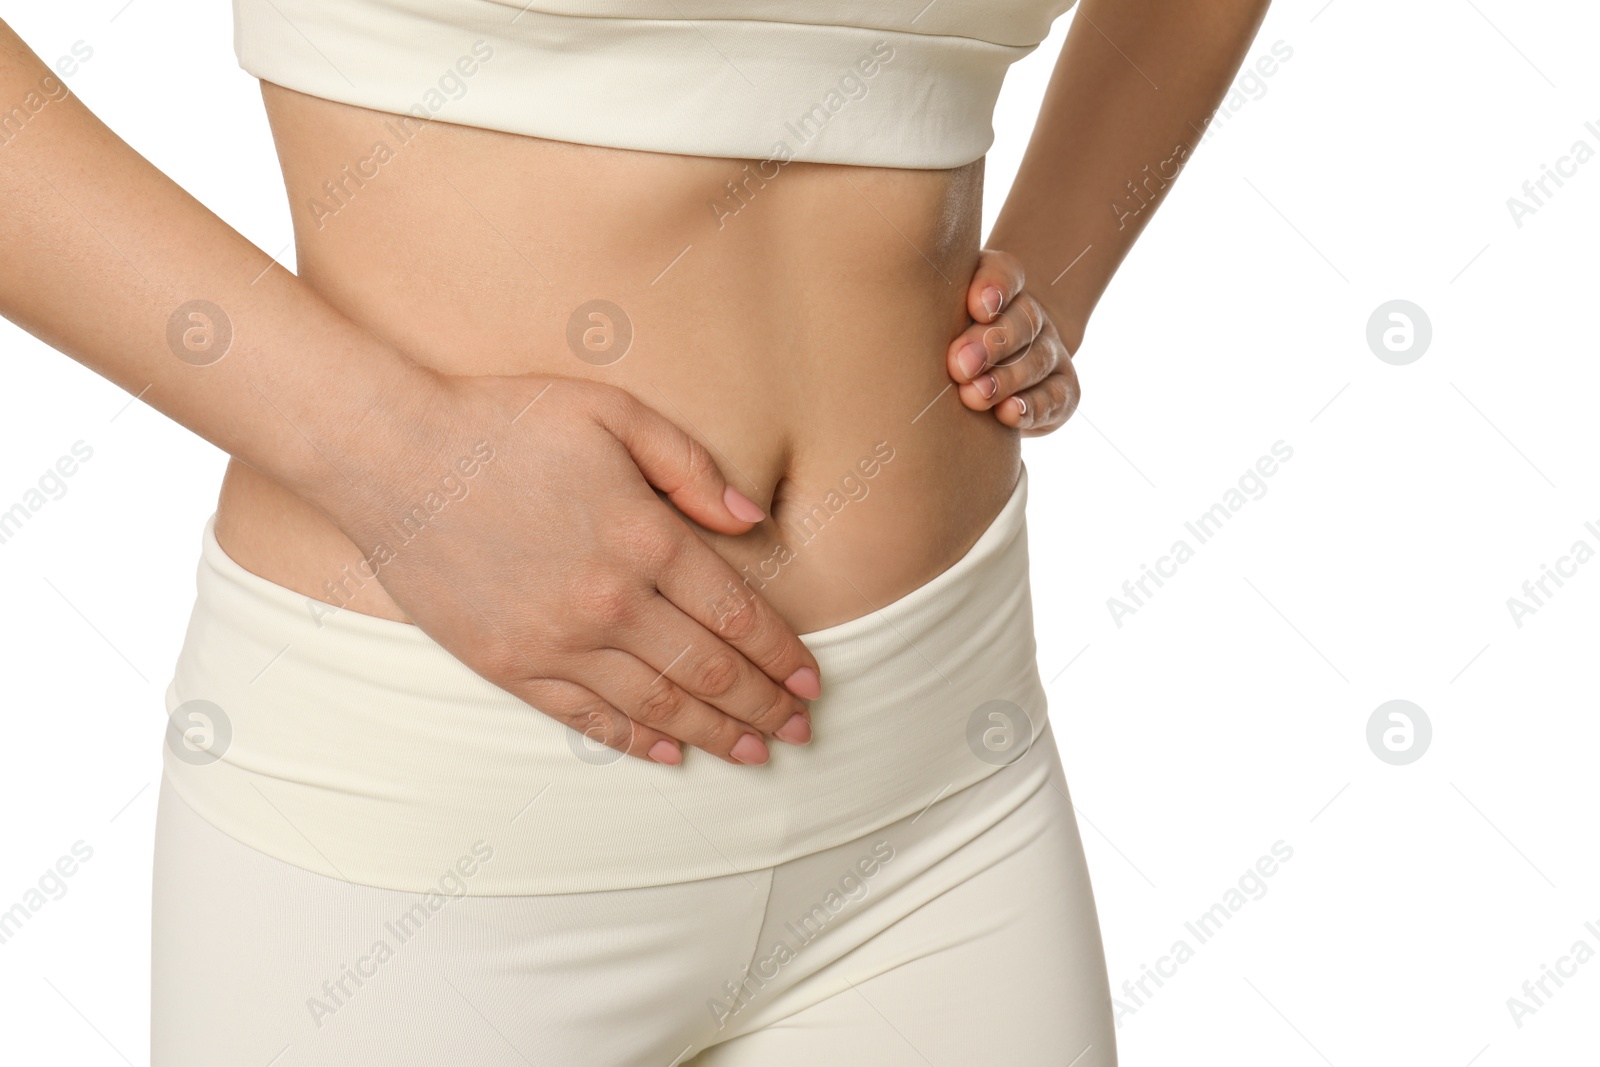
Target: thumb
<point>680,467</point>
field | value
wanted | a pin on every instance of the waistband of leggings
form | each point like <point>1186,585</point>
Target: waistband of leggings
<point>358,748</point>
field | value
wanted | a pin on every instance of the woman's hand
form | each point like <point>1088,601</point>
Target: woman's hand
<point>561,576</point>
<point>1012,360</point>
<point>553,569</point>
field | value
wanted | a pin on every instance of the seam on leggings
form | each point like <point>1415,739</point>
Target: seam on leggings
<point>714,1037</point>
<point>856,946</point>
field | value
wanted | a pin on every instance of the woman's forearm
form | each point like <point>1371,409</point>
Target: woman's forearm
<point>1130,98</point>
<point>109,261</point>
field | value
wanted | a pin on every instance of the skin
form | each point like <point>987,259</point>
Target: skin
<point>623,543</point>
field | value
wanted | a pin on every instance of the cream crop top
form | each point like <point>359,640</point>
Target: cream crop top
<point>894,83</point>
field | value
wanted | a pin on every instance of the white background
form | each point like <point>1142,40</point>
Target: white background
<point>1228,713</point>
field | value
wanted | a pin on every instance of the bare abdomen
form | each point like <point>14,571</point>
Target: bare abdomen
<point>793,318</point>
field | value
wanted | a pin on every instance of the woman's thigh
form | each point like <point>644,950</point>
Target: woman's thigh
<point>976,943</point>
<point>965,934</point>
<point>256,961</point>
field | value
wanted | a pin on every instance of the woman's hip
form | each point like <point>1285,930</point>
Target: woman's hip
<point>357,748</point>
<point>967,927</point>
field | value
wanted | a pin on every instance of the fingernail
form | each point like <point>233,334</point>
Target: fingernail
<point>797,731</point>
<point>988,385</point>
<point>744,509</point>
<point>804,684</point>
<point>1022,407</point>
<point>992,298</point>
<point>971,359</point>
<point>665,752</point>
<point>750,750</point>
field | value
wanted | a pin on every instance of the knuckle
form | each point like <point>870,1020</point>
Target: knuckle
<point>1025,354</point>
<point>737,620</point>
<point>721,735</point>
<point>775,713</point>
<point>595,721</point>
<point>559,699</point>
<point>991,261</point>
<point>1051,343</point>
<point>608,601</point>
<point>598,403</point>
<point>1043,407</point>
<point>1029,308</point>
<point>1043,402</point>
<point>646,543</point>
<point>619,401</point>
<point>1028,355</point>
<point>1001,262</point>
<point>656,549</point>
<point>998,336</point>
<point>502,661</point>
<point>626,416</point>
<point>1012,266</point>
<point>1067,397</point>
<point>660,705</point>
<point>717,673</point>
<point>697,463</point>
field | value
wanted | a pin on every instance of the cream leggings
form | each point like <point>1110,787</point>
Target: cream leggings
<point>963,936</point>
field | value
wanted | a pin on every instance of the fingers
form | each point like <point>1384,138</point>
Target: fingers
<point>728,662</point>
<point>733,621</point>
<point>997,280</point>
<point>643,659</point>
<point>976,358</point>
<point>701,585</point>
<point>1046,356</point>
<point>706,667</point>
<point>1012,360</point>
<point>664,673</point>
<point>678,465</point>
<point>598,721</point>
<point>1026,376</point>
<point>1045,406</point>
<point>661,715</point>
<point>655,702</point>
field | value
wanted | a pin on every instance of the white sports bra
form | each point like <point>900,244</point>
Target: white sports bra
<point>898,83</point>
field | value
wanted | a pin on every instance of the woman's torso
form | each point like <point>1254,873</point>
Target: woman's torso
<point>792,317</point>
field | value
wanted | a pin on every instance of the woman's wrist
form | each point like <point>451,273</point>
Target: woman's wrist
<point>377,423</point>
<point>1067,304</point>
